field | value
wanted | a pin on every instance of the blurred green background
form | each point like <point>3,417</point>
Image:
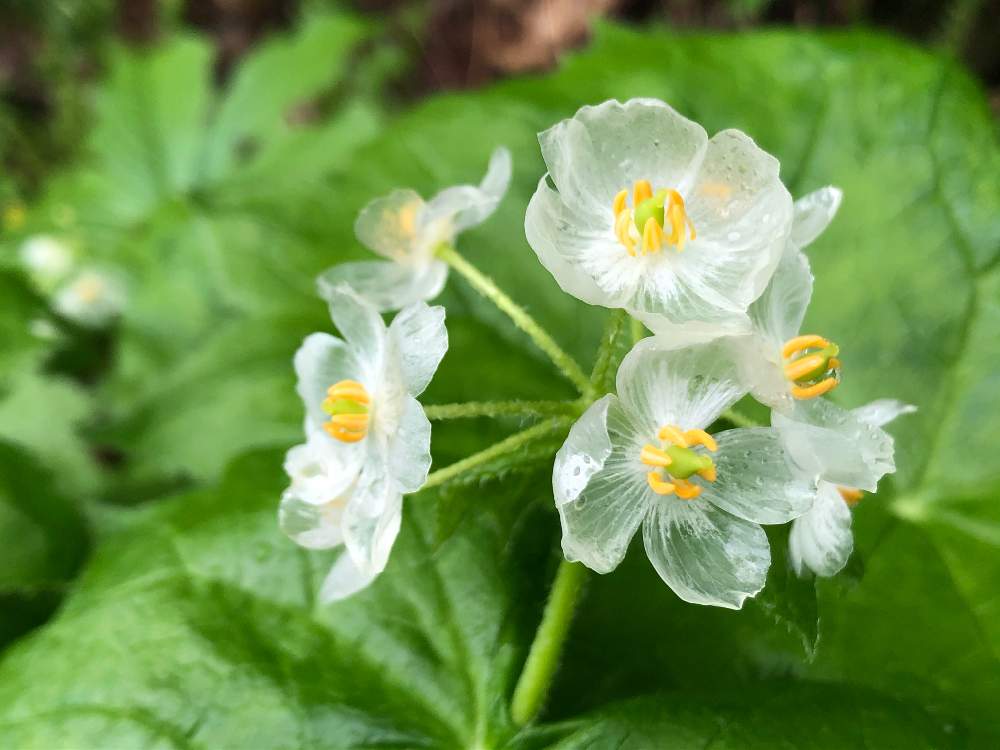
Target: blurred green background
<point>210,157</point>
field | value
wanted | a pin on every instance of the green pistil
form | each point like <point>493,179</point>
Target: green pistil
<point>651,207</point>
<point>823,368</point>
<point>344,406</point>
<point>686,462</point>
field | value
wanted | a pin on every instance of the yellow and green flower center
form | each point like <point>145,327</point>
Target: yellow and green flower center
<point>674,462</point>
<point>652,221</point>
<point>811,365</point>
<point>348,405</point>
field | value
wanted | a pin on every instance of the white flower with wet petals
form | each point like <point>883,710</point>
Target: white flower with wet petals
<point>407,230</point>
<point>368,439</point>
<point>821,540</point>
<point>643,458</point>
<point>641,210</point>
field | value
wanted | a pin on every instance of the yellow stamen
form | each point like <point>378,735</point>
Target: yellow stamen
<point>658,484</point>
<point>653,456</point>
<point>799,368</point>
<point>801,343</point>
<point>671,434</point>
<point>686,490</point>
<point>676,452</point>
<point>651,232</point>
<point>347,403</point>
<point>700,437</point>
<point>851,496</point>
<point>813,391</point>
<point>652,236</point>
<point>620,202</point>
<point>641,191</point>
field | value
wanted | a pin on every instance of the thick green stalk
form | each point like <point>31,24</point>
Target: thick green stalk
<point>606,351</point>
<point>486,287</point>
<point>543,658</point>
<point>739,419</point>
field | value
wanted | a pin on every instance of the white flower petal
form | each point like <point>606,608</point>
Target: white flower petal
<point>409,454</point>
<point>359,323</point>
<point>830,443</point>
<point>371,523</point>
<point>320,362</point>
<point>322,469</point>
<point>688,387</point>
<point>92,298</point>
<point>778,314</point>
<point>742,214</point>
<point>599,487</point>
<point>344,579</point>
<point>754,480</point>
<point>386,285</point>
<point>704,554</point>
<point>465,206</point>
<point>418,341</point>
<point>821,540</point>
<point>762,371</point>
<point>387,225</point>
<point>882,411</point>
<point>813,214</point>
<point>309,525</point>
<point>606,148</point>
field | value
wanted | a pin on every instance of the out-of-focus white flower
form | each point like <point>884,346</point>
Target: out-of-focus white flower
<point>821,539</point>
<point>367,437</point>
<point>643,458</point>
<point>92,298</point>
<point>641,210</point>
<point>780,365</point>
<point>47,259</point>
<point>406,230</point>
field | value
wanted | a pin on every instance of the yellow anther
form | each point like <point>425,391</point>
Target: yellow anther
<point>652,236</point>
<point>347,403</point>
<point>815,390</point>
<point>658,484</point>
<point>851,496</point>
<point>675,462</point>
<point>642,190</point>
<point>811,365</point>
<point>408,219</point>
<point>686,490</point>
<point>799,368</point>
<point>672,435</point>
<point>801,343</point>
<point>620,202</point>
<point>700,437</point>
<point>644,224</point>
<point>653,456</point>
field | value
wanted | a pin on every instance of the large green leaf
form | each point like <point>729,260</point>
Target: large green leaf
<point>196,626</point>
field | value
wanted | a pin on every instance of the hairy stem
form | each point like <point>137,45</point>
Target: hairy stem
<point>486,287</point>
<point>502,409</point>
<point>606,351</point>
<point>505,446</point>
<point>543,658</point>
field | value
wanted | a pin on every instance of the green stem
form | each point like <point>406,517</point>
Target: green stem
<point>739,419</point>
<point>505,446</point>
<point>502,409</point>
<point>606,351</point>
<point>543,658</point>
<point>486,287</point>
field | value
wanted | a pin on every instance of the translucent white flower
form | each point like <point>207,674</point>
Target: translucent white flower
<point>47,260</point>
<point>367,437</point>
<point>642,458</point>
<point>820,540</point>
<point>92,298</point>
<point>704,230</point>
<point>406,230</point>
<point>780,365</point>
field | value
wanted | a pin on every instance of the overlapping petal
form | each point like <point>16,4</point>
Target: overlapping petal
<point>813,213</point>
<point>465,206</point>
<point>704,554</point>
<point>384,284</point>
<point>387,225</point>
<point>821,540</point>
<point>418,341</point>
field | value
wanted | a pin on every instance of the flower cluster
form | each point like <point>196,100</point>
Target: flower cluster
<point>698,241</point>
